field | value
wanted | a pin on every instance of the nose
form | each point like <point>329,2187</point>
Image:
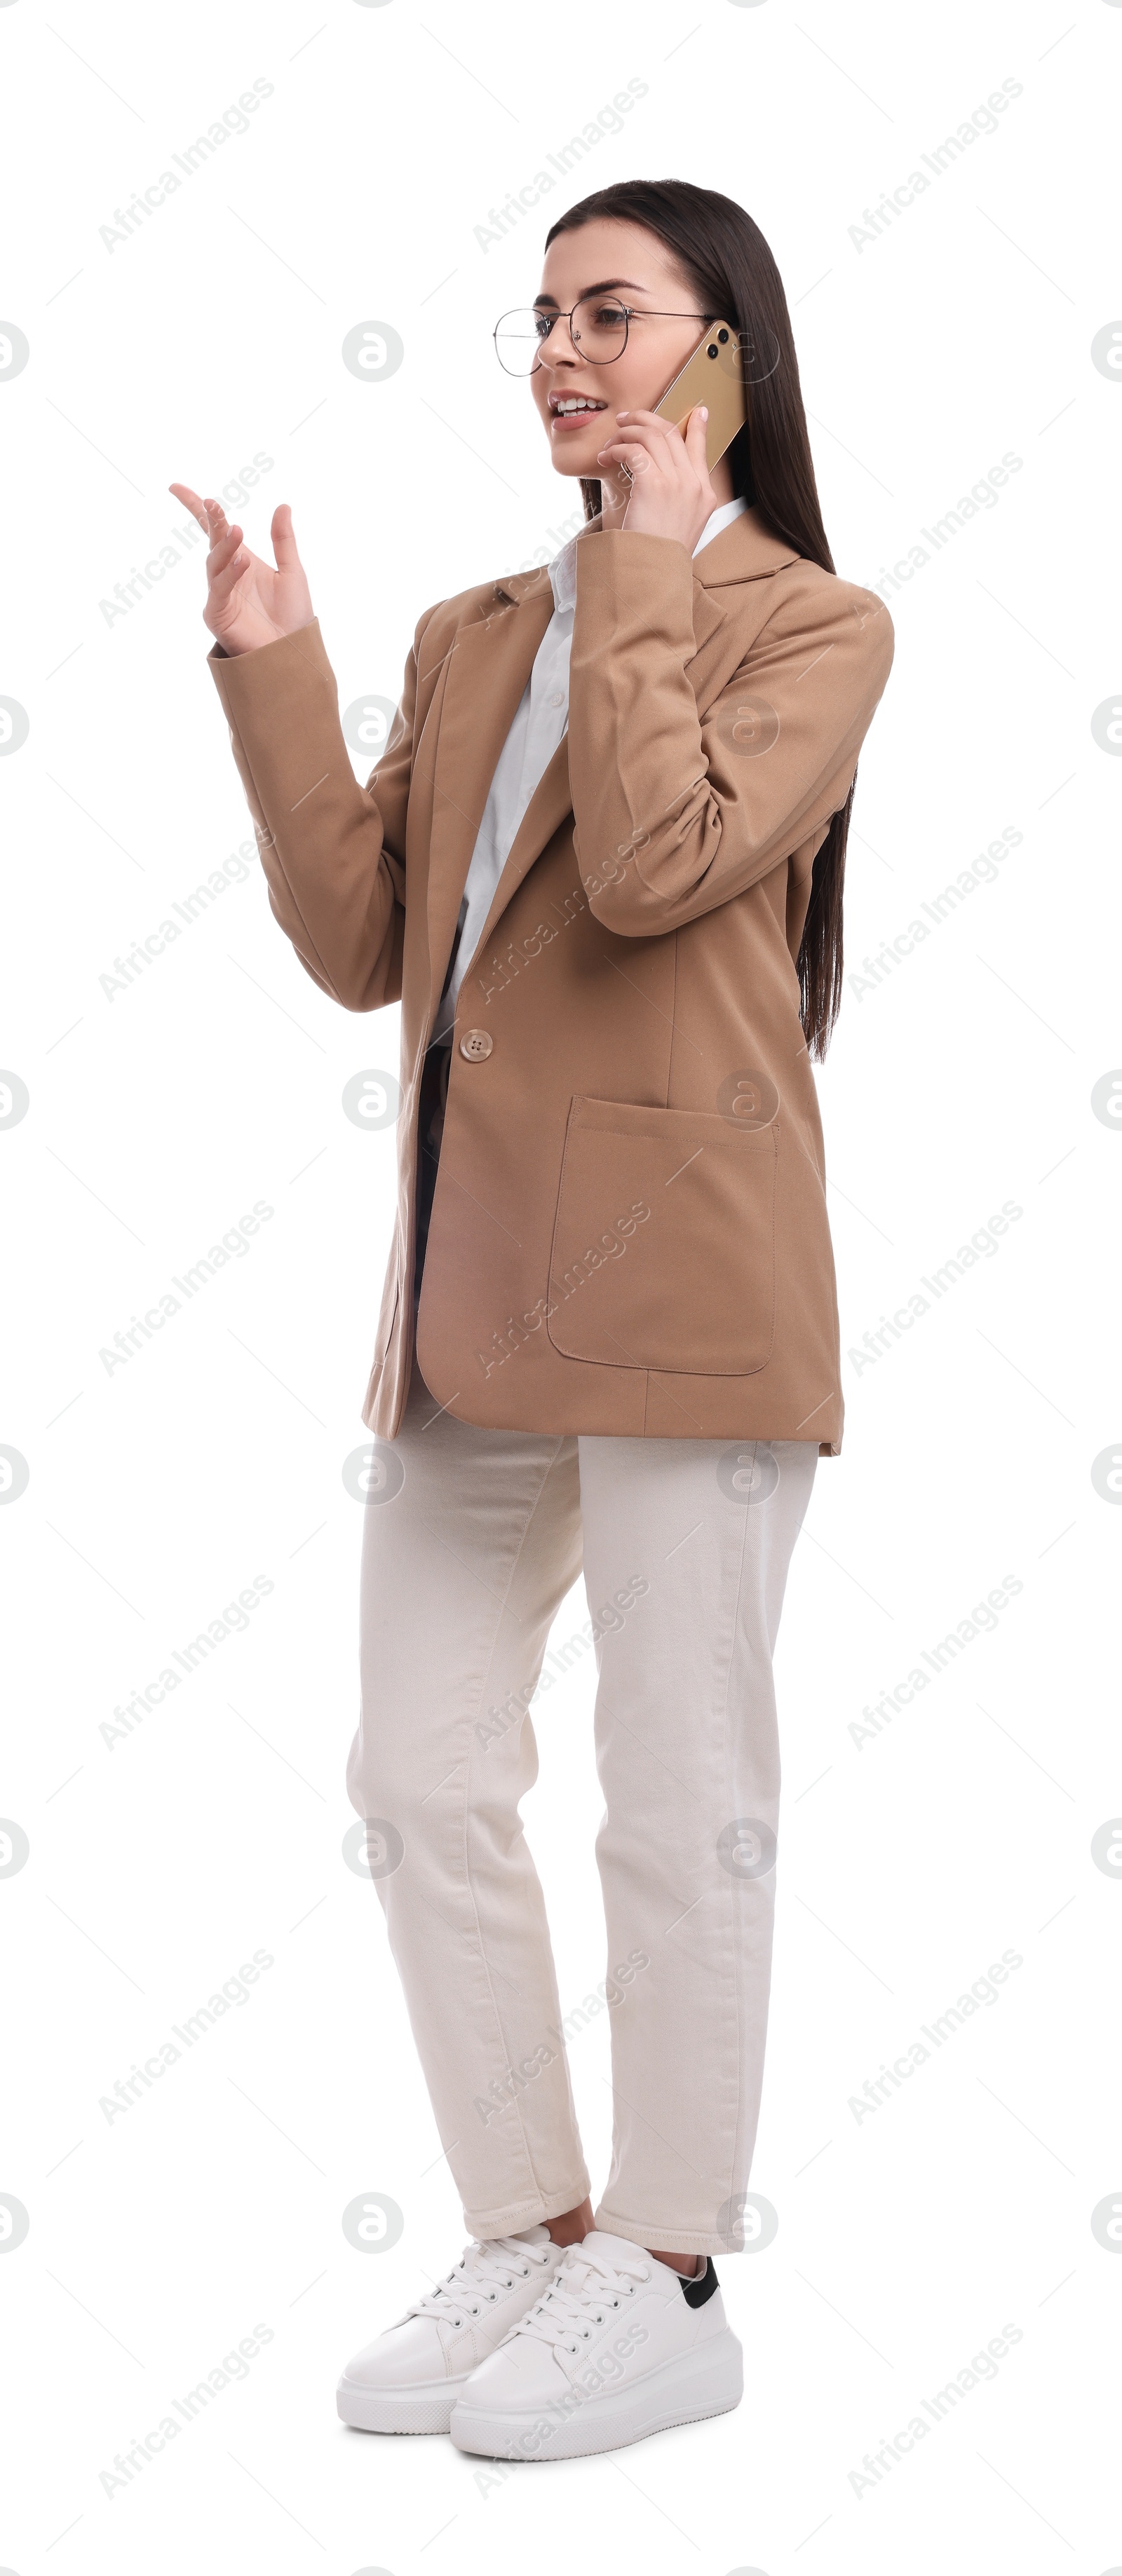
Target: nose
<point>559,353</point>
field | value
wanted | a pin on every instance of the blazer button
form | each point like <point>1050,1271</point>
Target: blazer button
<point>475,1044</point>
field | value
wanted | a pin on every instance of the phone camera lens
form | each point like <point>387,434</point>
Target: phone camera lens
<point>722,335</point>
<point>711,351</point>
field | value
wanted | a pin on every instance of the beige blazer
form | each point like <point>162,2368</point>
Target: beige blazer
<point>629,1232</point>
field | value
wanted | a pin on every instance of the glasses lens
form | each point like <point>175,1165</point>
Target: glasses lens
<point>599,329</point>
<point>518,338</point>
<point>599,334</point>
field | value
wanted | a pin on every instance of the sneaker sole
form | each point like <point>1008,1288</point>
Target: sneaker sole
<point>424,2409</point>
<point>707,2381</point>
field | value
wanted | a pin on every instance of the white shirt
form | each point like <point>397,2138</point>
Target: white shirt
<point>539,722</point>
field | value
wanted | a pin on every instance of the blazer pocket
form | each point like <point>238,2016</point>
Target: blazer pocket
<point>663,1253</point>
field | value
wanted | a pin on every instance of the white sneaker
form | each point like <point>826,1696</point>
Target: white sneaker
<point>408,2380</point>
<point>619,2346</point>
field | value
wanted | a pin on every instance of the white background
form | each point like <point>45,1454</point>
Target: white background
<point>159,1113</point>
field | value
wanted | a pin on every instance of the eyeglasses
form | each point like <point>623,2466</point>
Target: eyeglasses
<point>598,327</point>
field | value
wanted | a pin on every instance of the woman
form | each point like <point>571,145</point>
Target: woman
<point>600,863</point>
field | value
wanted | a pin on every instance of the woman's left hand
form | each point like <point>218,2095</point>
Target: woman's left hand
<point>671,494</point>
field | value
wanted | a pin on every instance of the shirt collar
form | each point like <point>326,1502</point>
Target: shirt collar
<point>563,569</point>
<point>563,576</point>
<point>735,545</point>
<point>722,518</point>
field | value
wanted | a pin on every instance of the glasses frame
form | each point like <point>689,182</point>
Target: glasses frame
<point>631,313</point>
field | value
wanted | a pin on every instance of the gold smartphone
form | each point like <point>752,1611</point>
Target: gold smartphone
<point>713,375</point>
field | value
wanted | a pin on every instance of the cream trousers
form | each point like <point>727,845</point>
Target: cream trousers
<point>471,1540</point>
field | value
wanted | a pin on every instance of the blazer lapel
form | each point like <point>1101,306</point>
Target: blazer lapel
<point>743,551</point>
<point>488,667</point>
<point>546,811</point>
<point>746,550</point>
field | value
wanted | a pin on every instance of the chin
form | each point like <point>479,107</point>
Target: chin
<point>565,461</point>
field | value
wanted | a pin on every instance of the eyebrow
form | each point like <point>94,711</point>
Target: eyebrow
<point>601,288</point>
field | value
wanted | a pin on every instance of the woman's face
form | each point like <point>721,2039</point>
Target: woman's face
<point>622,263</point>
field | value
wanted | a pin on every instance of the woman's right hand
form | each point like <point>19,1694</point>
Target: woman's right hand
<point>248,602</point>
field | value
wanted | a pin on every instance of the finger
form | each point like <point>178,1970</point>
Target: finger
<point>226,543</point>
<point>653,420</point>
<point>697,430</point>
<point>655,434</point>
<point>215,521</point>
<point>225,570</point>
<point>284,542</point>
<point>663,439</point>
<point>224,551</point>
<point>634,460</point>
<point>643,441</point>
<point>191,502</point>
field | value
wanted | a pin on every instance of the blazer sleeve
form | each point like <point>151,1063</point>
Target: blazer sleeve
<point>333,852</point>
<point>676,812</point>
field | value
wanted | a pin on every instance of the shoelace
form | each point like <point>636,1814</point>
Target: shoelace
<point>579,2297</point>
<point>500,2259</point>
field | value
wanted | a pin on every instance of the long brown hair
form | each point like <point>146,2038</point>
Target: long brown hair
<point>734,275</point>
